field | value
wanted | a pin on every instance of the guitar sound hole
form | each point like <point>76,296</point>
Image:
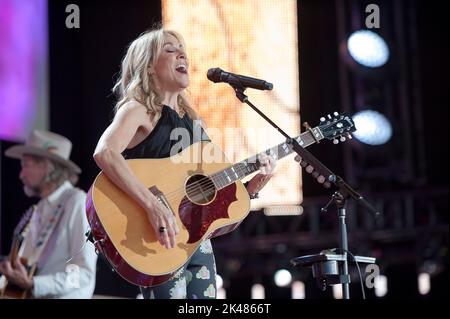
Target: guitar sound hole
<point>200,189</point>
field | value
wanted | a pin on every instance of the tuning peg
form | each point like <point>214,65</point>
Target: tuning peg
<point>335,113</point>
<point>315,174</point>
<point>321,179</point>
<point>309,169</point>
<point>349,136</point>
<point>329,116</point>
<point>335,141</point>
<point>322,119</point>
<point>297,158</point>
<point>327,184</point>
<point>342,139</point>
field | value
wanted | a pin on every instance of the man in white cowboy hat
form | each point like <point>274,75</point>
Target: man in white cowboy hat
<point>55,238</point>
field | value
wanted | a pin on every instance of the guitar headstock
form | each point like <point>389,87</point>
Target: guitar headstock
<point>337,127</point>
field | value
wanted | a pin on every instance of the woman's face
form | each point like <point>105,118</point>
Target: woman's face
<point>171,69</point>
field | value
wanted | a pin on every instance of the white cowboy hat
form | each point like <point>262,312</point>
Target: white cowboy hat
<point>46,144</point>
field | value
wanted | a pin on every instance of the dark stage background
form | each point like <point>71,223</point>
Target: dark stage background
<point>408,178</point>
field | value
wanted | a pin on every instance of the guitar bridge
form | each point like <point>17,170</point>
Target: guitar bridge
<point>161,197</point>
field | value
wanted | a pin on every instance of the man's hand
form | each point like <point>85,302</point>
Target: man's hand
<point>16,273</point>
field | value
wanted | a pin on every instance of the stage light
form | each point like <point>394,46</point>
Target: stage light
<point>337,291</point>
<point>221,293</point>
<point>219,281</point>
<point>258,291</point>
<point>283,210</point>
<point>368,48</point>
<point>298,290</point>
<point>282,278</point>
<point>381,286</point>
<point>424,283</point>
<point>372,127</point>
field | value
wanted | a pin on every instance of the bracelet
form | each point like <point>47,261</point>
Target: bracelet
<point>252,196</point>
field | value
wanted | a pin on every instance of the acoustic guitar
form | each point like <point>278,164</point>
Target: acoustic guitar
<point>199,186</point>
<point>7,289</point>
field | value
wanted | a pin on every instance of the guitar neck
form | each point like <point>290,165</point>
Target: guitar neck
<point>250,165</point>
<point>14,249</point>
<point>20,232</point>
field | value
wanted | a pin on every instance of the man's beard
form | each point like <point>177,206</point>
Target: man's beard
<point>32,191</point>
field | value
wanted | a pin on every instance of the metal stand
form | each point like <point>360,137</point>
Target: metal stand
<point>328,267</point>
<point>343,243</point>
<point>343,192</point>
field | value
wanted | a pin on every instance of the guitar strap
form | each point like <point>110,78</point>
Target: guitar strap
<point>47,229</point>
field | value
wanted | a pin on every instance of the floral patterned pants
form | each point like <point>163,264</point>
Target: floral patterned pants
<point>196,280</point>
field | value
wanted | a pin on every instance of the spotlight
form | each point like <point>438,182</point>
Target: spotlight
<point>337,291</point>
<point>368,48</point>
<point>298,290</point>
<point>283,210</point>
<point>381,286</point>
<point>372,127</point>
<point>282,278</point>
<point>219,281</point>
<point>221,293</point>
<point>424,283</point>
<point>258,291</point>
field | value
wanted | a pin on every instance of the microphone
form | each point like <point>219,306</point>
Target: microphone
<point>218,75</point>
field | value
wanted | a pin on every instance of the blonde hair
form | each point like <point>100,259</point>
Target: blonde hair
<point>135,82</point>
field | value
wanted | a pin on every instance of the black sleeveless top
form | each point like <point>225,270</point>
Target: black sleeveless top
<point>159,142</point>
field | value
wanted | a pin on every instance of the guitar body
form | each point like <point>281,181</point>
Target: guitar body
<point>121,228</point>
<point>13,292</point>
<point>10,291</point>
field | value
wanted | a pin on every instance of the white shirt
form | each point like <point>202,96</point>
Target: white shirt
<point>55,276</point>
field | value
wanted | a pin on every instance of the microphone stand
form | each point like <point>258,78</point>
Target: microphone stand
<point>344,191</point>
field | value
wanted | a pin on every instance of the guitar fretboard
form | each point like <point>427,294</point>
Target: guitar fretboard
<point>250,165</point>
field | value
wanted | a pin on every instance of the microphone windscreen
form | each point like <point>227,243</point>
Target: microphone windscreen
<point>214,74</point>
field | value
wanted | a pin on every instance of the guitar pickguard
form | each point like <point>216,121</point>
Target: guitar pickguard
<point>198,218</point>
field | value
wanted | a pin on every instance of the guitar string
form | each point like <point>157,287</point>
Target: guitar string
<point>238,166</point>
<point>196,186</point>
<point>199,196</point>
<point>198,192</point>
<point>206,185</point>
<point>207,182</point>
<point>222,180</point>
<point>210,190</point>
<point>279,147</point>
